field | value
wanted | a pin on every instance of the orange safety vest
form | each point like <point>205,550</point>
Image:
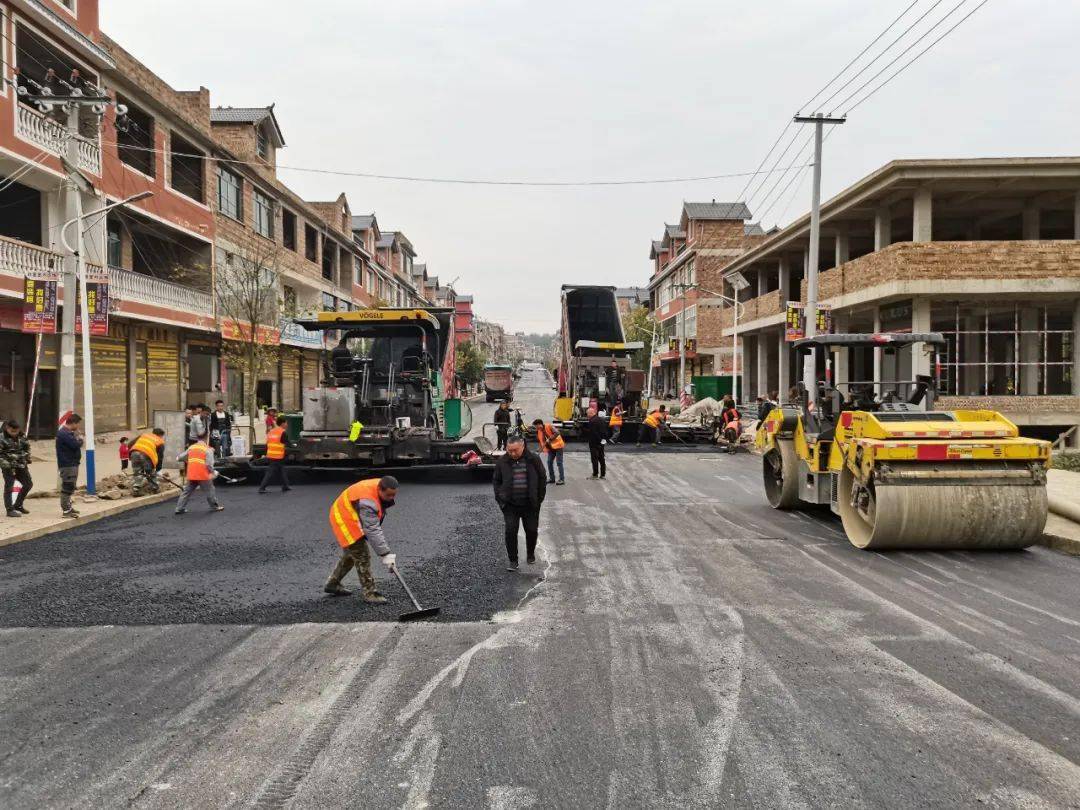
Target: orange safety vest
<point>615,420</point>
<point>344,519</point>
<point>148,444</point>
<point>197,468</point>
<point>654,419</point>
<point>275,444</point>
<point>556,440</point>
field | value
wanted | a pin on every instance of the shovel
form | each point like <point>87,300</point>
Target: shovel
<point>419,613</point>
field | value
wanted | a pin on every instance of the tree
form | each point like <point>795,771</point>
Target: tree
<point>638,324</point>
<point>250,307</point>
<point>469,363</point>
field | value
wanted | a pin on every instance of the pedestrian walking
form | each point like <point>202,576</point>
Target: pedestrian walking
<point>502,423</point>
<point>356,518</point>
<point>552,443</point>
<point>615,421</point>
<point>200,475</point>
<point>650,426</point>
<point>597,430</point>
<point>68,458</point>
<point>221,424</point>
<point>147,455</point>
<point>275,454</point>
<point>125,454</point>
<point>520,487</point>
<point>15,464</point>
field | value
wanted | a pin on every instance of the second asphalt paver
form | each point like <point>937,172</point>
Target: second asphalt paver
<point>690,647</point>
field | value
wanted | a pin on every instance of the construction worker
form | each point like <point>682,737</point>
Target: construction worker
<point>650,426</point>
<point>275,454</point>
<point>731,424</point>
<point>552,443</point>
<point>146,458</point>
<point>200,473</point>
<point>356,518</point>
<point>615,421</point>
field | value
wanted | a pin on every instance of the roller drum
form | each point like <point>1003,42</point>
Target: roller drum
<point>780,471</point>
<point>960,516</point>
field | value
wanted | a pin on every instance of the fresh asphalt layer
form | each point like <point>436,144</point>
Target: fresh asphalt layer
<point>690,647</point>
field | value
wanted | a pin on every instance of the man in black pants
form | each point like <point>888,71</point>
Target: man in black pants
<point>520,486</point>
<point>597,429</point>
<point>502,423</point>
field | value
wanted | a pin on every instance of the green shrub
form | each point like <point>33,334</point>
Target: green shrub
<point>1067,460</point>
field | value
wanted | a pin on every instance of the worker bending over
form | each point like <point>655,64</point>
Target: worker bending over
<point>200,474</point>
<point>650,426</point>
<point>552,443</point>
<point>146,457</point>
<point>356,518</point>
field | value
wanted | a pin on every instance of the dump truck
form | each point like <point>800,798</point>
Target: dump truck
<point>596,358</point>
<point>900,474</point>
<point>384,400</point>
<point>498,382</point>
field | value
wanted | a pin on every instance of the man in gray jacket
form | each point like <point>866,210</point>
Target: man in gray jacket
<point>356,517</point>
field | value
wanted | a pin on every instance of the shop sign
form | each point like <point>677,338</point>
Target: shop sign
<point>97,303</point>
<point>267,335</point>
<point>795,321</point>
<point>293,334</point>
<point>39,301</point>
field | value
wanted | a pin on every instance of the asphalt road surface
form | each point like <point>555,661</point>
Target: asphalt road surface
<point>689,647</point>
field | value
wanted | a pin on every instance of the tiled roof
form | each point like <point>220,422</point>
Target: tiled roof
<point>715,210</point>
<point>753,229</point>
<point>361,222</point>
<point>675,231</point>
<point>247,115</point>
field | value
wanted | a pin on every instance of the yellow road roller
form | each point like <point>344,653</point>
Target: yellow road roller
<point>900,474</point>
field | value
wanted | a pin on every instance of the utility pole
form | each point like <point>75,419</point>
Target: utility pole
<point>682,341</point>
<point>810,362</point>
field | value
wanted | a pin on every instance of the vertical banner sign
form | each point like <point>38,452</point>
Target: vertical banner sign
<point>39,301</point>
<point>795,321</point>
<point>97,303</point>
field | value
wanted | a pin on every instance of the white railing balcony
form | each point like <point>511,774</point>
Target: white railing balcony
<point>43,132</point>
<point>21,258</point>
<point>126,285</point>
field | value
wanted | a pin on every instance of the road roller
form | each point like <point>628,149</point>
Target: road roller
<point>898,473</point>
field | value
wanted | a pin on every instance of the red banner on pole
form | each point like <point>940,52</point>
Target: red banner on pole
<point>39,301</point>
<point>97,303</point>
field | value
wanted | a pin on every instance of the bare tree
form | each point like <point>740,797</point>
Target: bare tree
<point>250,306</point>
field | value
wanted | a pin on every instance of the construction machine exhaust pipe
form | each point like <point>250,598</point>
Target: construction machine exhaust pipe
<point>420,612</point>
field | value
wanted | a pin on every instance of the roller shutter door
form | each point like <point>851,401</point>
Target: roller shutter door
<point>108,362</point>
<point>290,379</point>
<point>163,376</point>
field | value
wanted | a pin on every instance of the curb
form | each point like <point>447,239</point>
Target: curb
<point>115,509</point>
<point>1066,545</point>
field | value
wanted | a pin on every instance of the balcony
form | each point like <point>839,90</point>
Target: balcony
<point>126,285</point>
<point>45,133</point>
<point>22,259</point>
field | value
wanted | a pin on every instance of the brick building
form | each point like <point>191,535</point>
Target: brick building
<point>986,251</point>
<point>464,326</point>
<point>689,262</point>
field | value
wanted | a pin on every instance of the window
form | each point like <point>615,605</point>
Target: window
<point>311,243</point>
<point>113,247</point>
<point>135,139</point>
<point>288,229</point>
<point>288,297</point>
<point>358,272</point>
<point>262,142</point>
<point>329,302</point>
<point>263,208</point>
<point>185,168</point>
<point>372,282</point>
<point>230,195</point>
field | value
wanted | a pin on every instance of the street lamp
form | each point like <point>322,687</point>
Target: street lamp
<point>88,390</point>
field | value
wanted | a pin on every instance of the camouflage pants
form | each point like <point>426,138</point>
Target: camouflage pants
<point>357,556</point>
<point>144,477</point>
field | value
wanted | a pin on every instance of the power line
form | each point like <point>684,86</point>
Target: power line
<point>780,157</point>
<point>916,58</point>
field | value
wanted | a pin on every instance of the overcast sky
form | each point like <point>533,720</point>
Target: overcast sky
<point>596,89</point>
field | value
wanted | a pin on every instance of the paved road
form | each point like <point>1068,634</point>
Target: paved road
<point>689,648</point>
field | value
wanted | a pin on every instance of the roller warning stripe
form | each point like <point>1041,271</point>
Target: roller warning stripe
<point>952,434</point>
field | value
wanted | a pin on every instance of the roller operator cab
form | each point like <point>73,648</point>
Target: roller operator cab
<point>900,474</point>
<point>384,397</point>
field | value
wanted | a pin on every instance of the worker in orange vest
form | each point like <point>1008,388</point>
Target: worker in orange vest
<point>146,458</point>
<point>200,475</point>
<point>552,443</point>
<point>615,421</point>
<point>275,454</point>
<point>356,518</point>
<point>650,427</point>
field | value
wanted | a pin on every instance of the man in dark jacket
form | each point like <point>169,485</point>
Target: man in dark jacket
<point>520,487</point>
<point>68,458</point>
<point>15,464</point>
<point>597,430</point>
<point>502,423</point>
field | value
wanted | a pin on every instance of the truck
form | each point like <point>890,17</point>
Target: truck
<point>595,368</point>
<point>384,400</point>
<point>498,382</point>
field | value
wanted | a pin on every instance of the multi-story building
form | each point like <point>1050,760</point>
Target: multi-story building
<point>630,298</point>
<point>986,251</point>
<point>491,339</point>
<point>689,263</point>
<point>464,327</point>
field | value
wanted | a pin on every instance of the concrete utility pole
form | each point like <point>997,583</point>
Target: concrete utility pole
<point>809,364</point>
<point>682,341</point>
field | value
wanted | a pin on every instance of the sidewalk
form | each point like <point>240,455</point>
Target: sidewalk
<point>44,517</point>
<point>1063,526</point>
